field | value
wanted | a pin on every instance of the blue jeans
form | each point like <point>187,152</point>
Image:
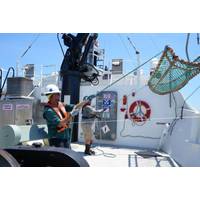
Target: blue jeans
<point>58,142</point>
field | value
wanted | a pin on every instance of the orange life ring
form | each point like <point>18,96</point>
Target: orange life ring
<point>139,111</point>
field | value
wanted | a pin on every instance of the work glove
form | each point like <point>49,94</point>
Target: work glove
<point>74,112</point>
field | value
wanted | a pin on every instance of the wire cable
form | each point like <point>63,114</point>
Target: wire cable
<point>186,100</point>
<point>125,46</point>
<point>198,41</point>
<point>110,155</point>
<point>186,46</point>
<point>60,44</point>
<point>153,41</point>
<point>151,119</point>
<point>136,51</point>
<point>25,52</point>
<point>135,69</point>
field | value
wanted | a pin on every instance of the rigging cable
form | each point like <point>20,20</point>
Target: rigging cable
<point>135,69</point>
<point>152,119</point>
<point>124,77</point>
<point>153,41</point>
<point>60,44</point>
<point>175,102</point>
<point>136,51</point>
<point>186,46</point>
<point>125,46</point>
<point>175,119</point>
<point>186,100</point>
<point>30,45</point>
<point>198,42</point>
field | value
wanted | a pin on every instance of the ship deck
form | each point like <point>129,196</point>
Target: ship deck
<point>114,156</point>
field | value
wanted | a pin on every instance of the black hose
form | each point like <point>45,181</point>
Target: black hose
<point>60,44</point>
<point>198,42</point>
<point>186,46</point>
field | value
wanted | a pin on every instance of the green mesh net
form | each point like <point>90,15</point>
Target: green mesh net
<point>172,73</point>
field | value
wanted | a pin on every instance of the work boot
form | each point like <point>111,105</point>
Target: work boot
<point>87,149</point>
<point>92,152</point>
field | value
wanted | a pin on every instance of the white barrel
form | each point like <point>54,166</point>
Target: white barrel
<point>11,135</point>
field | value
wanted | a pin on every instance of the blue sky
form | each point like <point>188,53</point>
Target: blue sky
<point>46,51</point>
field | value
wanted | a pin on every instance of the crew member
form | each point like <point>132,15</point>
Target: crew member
<point>58,117</point>
<point>89,114</point>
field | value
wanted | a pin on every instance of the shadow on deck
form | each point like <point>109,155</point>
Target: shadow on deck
<point>150,159</point>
